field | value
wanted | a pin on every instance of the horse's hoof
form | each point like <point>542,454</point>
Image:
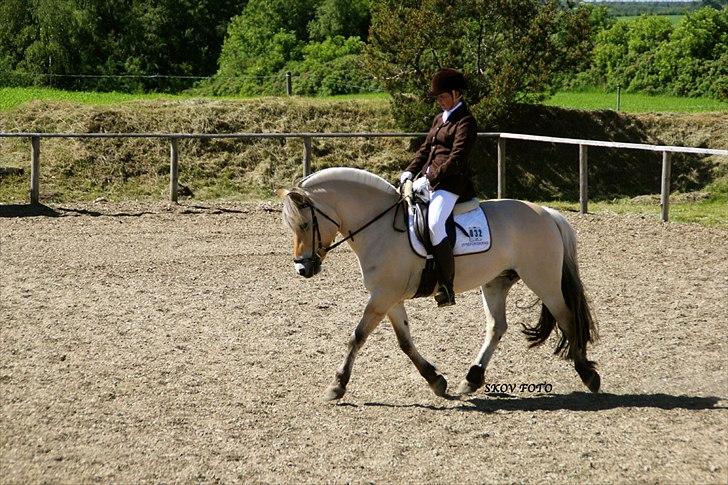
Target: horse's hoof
<point>439,386</point>
<point>466,388</point>
<point>593,382</point>
<point>334,392</point>
<point>589,376</point>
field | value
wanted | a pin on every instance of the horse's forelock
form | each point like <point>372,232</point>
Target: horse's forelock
<point>292,203</point>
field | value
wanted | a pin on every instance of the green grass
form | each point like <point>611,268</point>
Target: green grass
<point>12,97</point>
<point>586,100</point>
<point>710,210</point>
<point>634,102</point>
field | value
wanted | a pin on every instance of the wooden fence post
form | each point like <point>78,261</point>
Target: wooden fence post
<point>583,180</point>
<point>35,170</point>
<point>665,192</point>
<point>289,86</point>
<point>306,156</point>
<point>619,97</point>
<point>173,169</point>
<point>501,167</point>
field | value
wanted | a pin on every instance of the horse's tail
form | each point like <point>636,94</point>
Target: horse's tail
<point>584,328</point>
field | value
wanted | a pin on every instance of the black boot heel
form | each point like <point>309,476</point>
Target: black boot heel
<point>445,297</point>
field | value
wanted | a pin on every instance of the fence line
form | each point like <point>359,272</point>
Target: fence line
<point>307,137</point>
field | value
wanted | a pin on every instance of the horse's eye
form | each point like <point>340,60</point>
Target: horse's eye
<point>304,226</point>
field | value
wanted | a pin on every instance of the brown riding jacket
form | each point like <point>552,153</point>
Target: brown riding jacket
<point>443,156</point>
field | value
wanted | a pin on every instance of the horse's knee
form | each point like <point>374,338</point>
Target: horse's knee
<point>405,345</point>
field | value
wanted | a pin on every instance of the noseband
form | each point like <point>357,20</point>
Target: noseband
<point>318,249</point>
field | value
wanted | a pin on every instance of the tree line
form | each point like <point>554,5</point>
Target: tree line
<point>66,43</point>
<point>511,50</point>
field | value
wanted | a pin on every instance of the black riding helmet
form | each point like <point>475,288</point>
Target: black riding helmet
<point>446,80</point>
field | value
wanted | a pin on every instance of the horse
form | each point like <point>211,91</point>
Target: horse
<point>529,242</point>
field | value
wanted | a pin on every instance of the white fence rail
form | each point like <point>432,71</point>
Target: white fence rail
<point>174,138</point>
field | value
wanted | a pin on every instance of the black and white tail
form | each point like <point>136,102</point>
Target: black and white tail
<point>583,328</point>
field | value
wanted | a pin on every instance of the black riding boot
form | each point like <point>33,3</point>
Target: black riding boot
<point>445,267</point>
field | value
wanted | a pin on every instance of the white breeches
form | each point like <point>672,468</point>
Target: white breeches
<point>442,203</point>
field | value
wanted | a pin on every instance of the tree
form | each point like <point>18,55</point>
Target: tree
<point>510,50</point>
<point>624,54</point>
<point>65,38</point>
<point>347,18</point>
<point>331,67</point>
<point>259,42</point>
<point>650,55</point>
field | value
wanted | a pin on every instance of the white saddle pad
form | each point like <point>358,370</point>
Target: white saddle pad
<point>475,224</point>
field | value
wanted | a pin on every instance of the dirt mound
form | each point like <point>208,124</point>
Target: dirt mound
<point>83,169</point>
<point>544,171</point>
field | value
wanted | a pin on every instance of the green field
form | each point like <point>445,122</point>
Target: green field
<point>711,213</point>
<point>12,97</point>
<point>635,102</point>
<point>586,100</point>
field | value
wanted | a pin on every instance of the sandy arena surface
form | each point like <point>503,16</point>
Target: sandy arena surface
<point>148,343</point>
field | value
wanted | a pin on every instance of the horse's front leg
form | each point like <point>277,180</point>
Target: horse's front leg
<point>398,316</point>
<point>373,314</point>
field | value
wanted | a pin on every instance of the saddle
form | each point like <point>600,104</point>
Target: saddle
<point>419,207</point>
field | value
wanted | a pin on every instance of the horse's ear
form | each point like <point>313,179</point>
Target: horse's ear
<point>282,193</point>
<point>297,197</point>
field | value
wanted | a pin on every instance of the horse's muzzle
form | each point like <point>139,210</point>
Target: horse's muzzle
<point>307,267</point>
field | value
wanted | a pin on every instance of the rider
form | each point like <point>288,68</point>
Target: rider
<point>442,161</point>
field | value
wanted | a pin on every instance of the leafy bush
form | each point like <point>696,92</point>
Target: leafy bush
<point>340,17</point>
<point>650,55</point>
<point>271,38</point>
<point>331,67</point>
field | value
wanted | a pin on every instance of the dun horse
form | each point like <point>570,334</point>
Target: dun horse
<point>529,242</point>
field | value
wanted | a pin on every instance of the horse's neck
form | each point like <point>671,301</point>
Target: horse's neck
<point>359,206</point>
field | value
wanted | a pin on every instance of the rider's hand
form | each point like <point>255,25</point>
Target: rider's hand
<point>404,177</point>
<point>421,183</point>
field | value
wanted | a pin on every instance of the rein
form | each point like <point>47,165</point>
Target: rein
<point>316,234</point>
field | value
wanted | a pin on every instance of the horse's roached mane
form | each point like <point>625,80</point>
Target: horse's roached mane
<point>297,197</point>
<point>350,175</point>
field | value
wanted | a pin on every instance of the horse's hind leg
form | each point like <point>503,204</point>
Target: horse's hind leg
<point>494,302</point>
<point>398,316</point>
<point>574,324</point>
<point>373,314</point>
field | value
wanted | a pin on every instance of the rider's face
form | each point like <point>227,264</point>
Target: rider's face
<point>448,100</point>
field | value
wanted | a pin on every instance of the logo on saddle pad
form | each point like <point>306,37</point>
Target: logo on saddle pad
<point>472,234</point>
<point>475,233</point>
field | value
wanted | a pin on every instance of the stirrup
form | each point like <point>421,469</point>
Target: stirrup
<point>445,297</point>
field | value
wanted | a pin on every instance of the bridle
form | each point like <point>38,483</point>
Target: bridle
<point>318,249</point>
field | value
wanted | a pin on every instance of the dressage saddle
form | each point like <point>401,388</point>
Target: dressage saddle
<point>419,206</point>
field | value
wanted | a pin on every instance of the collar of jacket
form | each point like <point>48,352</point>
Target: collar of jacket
<point>448,112</point>
<point>455,115</point>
